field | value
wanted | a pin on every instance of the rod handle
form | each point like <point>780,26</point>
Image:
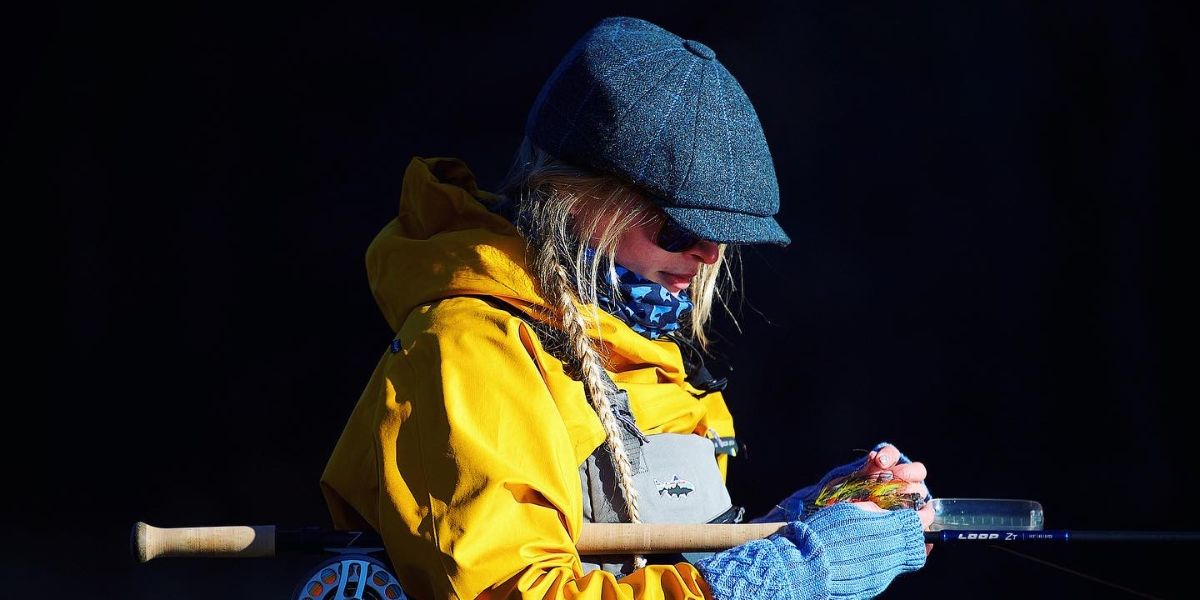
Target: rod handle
<point>625,538</point>
<point>148,542</point>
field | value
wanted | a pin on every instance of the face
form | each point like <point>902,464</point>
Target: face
<point>637,251</point>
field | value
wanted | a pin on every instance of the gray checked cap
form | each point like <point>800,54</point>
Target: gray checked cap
<point>637,101</point>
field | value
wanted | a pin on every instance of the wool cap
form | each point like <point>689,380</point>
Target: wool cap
<point>634,100</point>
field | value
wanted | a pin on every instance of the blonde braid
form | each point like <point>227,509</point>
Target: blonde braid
<point>561,210</point>
<point>596,383</point>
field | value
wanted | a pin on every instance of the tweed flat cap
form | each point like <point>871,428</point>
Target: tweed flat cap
<point>637,101</point>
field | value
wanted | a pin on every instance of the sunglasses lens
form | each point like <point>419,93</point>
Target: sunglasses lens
<point>674,238</point>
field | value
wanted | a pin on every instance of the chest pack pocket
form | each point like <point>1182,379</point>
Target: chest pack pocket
<point>679,483</point>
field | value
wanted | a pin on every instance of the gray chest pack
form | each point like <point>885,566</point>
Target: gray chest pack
<point>676,478</point>
<point>677,482</point>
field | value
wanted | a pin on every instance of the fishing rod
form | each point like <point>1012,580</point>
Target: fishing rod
<point>353,571</point>
<point>956,520</point>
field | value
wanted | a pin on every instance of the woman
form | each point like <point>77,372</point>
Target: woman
<point>546,367</point>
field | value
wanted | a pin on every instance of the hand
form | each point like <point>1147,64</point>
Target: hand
<point>887,459</point>
<point>837,552</point>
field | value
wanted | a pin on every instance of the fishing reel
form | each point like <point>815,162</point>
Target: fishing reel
<point>352,574</point>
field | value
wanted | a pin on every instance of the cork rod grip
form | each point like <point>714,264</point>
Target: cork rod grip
<point>148,542</point>
<point>642,538</point>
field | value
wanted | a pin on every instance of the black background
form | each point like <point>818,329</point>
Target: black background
<point>986,203</point>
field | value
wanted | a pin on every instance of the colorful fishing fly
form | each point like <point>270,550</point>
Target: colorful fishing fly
<point>882,488</point>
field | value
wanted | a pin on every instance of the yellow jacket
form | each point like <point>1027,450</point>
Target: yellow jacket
<point>463,450</point>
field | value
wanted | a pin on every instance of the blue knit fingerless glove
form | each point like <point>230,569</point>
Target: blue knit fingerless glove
<point>792,507</point>
<point>839,552</point>
<point>867,549</point>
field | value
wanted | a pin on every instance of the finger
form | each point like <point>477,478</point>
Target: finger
<point>867,505</point>
<point>914,472</point>
<point>881,460</point>
<point>926,515</point>
<point>887,457</point>
<point>872,467</point>
<point>916,488</point>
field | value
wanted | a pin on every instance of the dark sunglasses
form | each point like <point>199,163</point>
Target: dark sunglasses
<point>673,238</point>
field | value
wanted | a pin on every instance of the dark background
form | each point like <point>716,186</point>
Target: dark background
<point>986,203</point>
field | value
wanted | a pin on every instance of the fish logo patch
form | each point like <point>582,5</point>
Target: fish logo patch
<point>676,487</point>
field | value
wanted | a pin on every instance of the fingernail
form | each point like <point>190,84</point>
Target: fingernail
<point>885,461</point>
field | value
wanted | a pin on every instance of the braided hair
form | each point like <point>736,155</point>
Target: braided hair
<point>561,210</point>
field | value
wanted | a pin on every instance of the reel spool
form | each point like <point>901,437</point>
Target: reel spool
<point>350,577</point>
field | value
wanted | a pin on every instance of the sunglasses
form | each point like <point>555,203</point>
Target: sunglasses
<point>673,238</point>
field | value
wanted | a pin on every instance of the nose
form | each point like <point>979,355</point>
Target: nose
<point>706,251</point>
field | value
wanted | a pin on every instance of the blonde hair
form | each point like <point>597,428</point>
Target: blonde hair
<point>559,208</point>
<point>560,205</point>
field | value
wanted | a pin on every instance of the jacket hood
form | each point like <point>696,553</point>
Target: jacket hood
<point>444,243</point>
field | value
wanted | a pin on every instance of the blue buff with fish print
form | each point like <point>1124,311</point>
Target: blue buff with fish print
<point>647,307</point>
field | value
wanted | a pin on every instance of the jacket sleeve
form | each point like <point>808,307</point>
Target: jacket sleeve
<point>478,489</point>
